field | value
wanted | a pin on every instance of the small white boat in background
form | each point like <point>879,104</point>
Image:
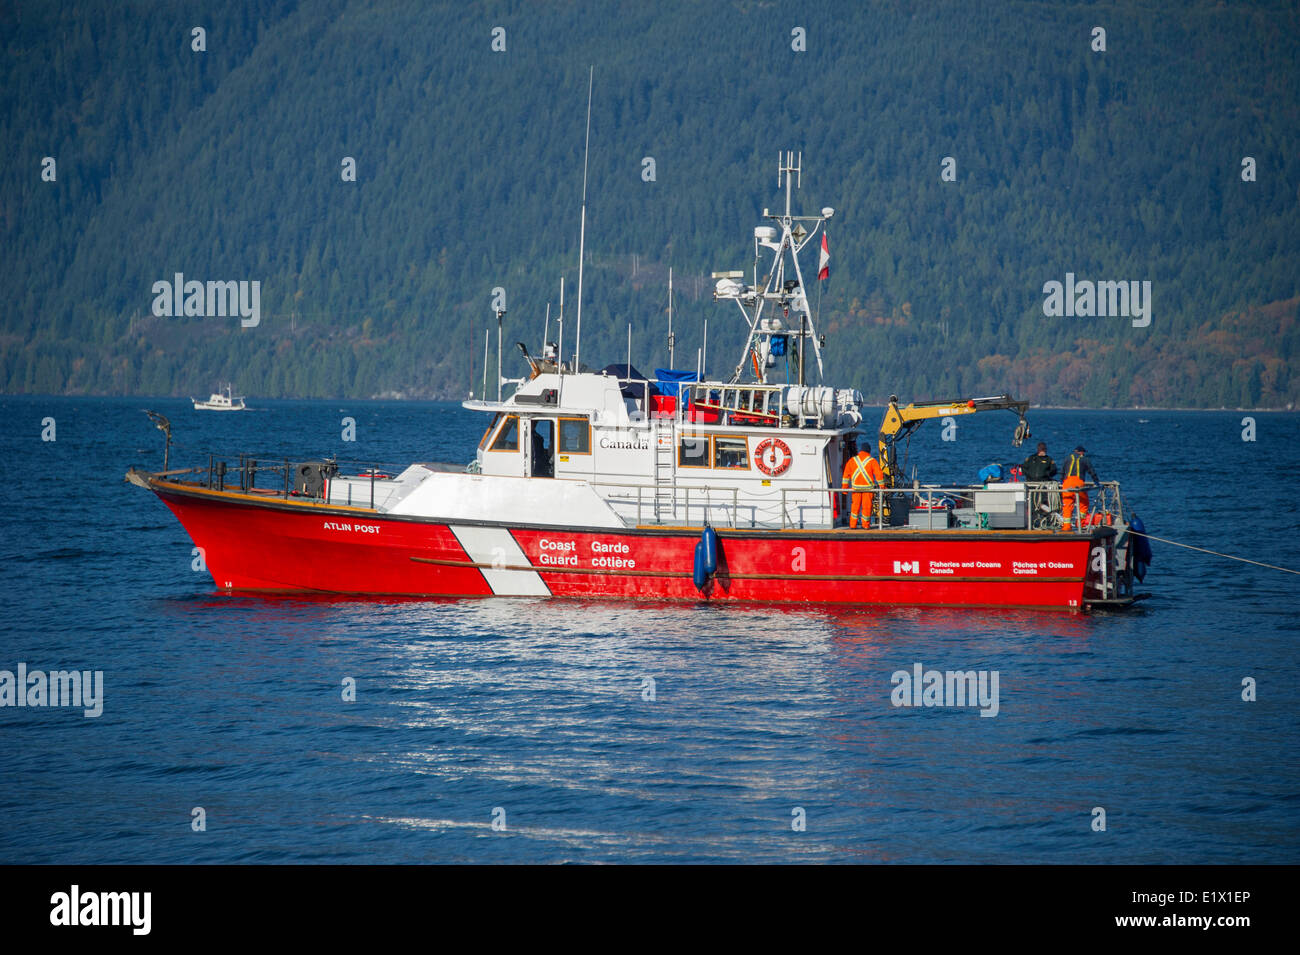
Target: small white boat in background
<point>220,402</point>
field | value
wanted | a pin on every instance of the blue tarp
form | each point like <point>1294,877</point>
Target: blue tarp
<point>630,387</point>
<point>669,381</point>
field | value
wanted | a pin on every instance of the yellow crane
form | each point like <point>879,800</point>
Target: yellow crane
<point>900,422</point>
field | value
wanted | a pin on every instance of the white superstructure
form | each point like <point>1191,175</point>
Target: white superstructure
<point>615,448</point>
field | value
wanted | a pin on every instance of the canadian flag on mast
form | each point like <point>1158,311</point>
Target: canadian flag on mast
<point>824,260</point>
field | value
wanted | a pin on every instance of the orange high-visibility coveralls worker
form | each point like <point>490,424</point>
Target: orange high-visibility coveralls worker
<point>1075,469</point>
<point>862,473</point>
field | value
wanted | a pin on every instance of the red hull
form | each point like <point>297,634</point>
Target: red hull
<point>262,545</point>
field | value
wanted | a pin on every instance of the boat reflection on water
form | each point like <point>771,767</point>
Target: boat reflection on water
<point>862,631</point>
<point>718,718</point>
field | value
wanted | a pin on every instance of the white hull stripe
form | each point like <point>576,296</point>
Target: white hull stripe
<point>494,546</point>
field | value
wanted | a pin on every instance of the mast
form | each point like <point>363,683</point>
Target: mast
<point>582,230</point>
<point>501,314</point>
<point>787,235</point>
<point>671,341</point>
<point>803,330</point>
<point>704,354</point>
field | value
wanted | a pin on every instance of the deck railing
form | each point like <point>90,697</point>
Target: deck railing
<point>1034,505</point>
<point>360,479</point>
<point>1025,506</point>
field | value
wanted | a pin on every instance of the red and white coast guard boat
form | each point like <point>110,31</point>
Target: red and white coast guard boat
<point>605,484</point>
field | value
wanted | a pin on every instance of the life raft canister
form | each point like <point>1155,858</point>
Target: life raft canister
<point>773,457</point>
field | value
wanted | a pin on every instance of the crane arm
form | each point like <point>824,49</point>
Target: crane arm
<point>902,421</point>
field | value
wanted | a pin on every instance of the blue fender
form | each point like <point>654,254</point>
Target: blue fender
<point>706,558</point>
<point>710,542</point>
<point>1141,548</point>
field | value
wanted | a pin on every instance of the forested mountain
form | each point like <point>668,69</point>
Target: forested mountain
<point>227,164</point>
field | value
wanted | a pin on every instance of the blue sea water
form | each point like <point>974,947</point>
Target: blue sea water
<point>535,713</point>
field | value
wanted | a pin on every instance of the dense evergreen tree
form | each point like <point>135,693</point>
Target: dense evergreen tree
<point>226,164</point>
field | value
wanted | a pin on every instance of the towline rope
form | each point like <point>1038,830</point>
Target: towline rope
<point>1203,550</point>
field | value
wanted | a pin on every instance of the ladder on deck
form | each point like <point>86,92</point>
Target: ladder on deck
<point>665,471</point>
<point>752,404</point>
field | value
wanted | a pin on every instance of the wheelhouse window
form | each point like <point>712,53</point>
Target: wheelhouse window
<point>730,453</point>
<point>508,437</point>
<point>575,436</point>
<point>693,451</point>
<point>491,429</point>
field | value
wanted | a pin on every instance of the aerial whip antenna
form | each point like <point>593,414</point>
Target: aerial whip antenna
<point>559,349</point>
<point>582,230</point>
<point>546,334</point>
<point>671,341</point>
<point>501,314</point>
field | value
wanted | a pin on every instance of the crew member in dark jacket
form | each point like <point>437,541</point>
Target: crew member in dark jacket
<point>1039,466</point>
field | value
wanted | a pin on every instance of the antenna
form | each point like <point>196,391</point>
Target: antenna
<point>671,340</point>
<point>559,353</point>
<point>487,335</point>
<point>803,334</point>
<point>789,164</point>
<point>788,236</point>
<point>501,313</point>
<point>704,363</point>
<point>582,231</point>
<point>546,329</point>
